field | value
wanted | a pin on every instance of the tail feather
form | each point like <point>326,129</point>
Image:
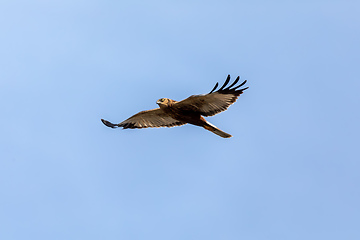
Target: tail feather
<point>212,128</point>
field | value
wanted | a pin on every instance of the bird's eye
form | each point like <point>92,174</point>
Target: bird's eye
<point>162,100</point>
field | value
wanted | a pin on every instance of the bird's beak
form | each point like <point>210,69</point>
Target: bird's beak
<point>158,102</point>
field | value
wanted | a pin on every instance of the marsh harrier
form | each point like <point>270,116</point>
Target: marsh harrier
<point>191,110</point>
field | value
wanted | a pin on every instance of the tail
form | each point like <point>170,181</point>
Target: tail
<point>212,128</point>
<point>109,124</point>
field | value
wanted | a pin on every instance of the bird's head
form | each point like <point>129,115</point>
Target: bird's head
<point>162,102</point>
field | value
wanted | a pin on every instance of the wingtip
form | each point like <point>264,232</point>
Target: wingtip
<point>216,85</point>
<point>108,124</point>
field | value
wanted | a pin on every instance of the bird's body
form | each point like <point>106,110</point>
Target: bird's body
<point>190,110</point>
<point>181,114</point>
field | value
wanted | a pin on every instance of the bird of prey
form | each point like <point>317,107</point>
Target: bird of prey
<point>191,110</point>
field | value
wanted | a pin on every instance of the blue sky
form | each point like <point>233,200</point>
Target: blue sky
<point>291,171</point>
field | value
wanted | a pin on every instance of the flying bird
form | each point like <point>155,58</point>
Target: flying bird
<point>191,110</point>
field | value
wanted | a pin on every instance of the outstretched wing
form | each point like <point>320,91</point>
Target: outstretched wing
<point>213,102</point>
<point>145,119</point>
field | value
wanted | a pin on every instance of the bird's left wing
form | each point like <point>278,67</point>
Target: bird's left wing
<point>145,119</point>
<point>213,102</point>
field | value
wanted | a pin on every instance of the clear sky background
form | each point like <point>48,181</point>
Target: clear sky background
<point>291,171</point>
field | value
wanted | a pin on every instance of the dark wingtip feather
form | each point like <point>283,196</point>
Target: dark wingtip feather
<point>216,85</point>
<point>235,82</point>
<point>242,84</point>
<point>109,124</point>
<point>225,83</point>
<point>243,89</point>
<point>231,88</point>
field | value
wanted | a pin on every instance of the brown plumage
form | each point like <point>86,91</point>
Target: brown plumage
<point>190,110</point>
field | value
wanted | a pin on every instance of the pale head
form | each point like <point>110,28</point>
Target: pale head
<point>163,101</point>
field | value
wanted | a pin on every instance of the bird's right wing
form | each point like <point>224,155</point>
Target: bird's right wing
<point>145,119</point>
<point>215,101</point>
